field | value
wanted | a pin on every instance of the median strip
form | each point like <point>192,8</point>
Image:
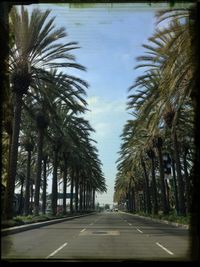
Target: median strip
<point>56,251</point>
<point>165,249</point>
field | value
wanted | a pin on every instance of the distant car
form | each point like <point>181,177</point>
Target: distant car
<point>116,209</point>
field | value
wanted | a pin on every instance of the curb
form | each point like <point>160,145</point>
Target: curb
<point>22,228</point>
<point>185,226</point>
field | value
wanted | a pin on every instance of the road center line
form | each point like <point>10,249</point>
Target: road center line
<point>56,251</point>
<point>165,249</point>
<point>83,230</point>
<point>139,230</point>
<point>130,224</point>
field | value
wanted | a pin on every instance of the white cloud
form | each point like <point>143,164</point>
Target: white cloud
<point>106,117</point>
<point>102,129</point>
<point>92,100</point>
<point>101,106</point>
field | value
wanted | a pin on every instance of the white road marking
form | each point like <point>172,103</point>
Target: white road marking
<point>165,249</point>
<point>83,230</point>
<point>130,224</point>
<point>139,230</point>
<point>56,251</point>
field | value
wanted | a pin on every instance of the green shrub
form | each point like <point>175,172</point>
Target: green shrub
<point>172,217</point>
<point>8,223</point>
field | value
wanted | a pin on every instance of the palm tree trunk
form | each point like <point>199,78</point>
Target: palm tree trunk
<point>175,185</point>
<point>127,201</point>
<point>81,195</point>
<point>89,196</point>
<point>187,181</point>
<point>154,187</point>
<point>55,184</point>
<point>76,191</point>
<point>27,192</point>
<point>31,194</point>
<point>144,201</point>
<point>64,186</point>
<point>84,196</point>
<point>5,87</point>
<point>93,199</point>
<point>10,187</point>
<point>20,211</point>
<point>133,199</point>
<point>44,197</point>
<point>39,171</point>
<point>71,192</point>
<point>147,191</point>
<point>167,194</point>
<point>8,165</point>
<point>182,208</point>
<point>162,182</point>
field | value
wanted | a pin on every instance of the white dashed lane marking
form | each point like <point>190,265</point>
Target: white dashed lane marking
<point>56,251</point>
<point>165,249</point>
<point>139,230</point>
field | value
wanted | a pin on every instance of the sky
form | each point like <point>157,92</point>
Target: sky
<point>110,37</point>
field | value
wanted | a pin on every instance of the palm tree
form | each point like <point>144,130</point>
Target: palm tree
<point>35,49</point>
<point>169,88</point>
<point>169,119</point>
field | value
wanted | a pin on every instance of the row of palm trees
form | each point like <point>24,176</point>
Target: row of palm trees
<point>44,131</point>
<point>156,162</point>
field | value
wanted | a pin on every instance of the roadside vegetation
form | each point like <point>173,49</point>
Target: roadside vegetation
<point>23,220</point>
<point>171,217</point>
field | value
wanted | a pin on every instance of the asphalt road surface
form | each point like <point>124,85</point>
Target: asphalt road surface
<point>101,236</point>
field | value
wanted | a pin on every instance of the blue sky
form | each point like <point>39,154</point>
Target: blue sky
<point>111,37</point>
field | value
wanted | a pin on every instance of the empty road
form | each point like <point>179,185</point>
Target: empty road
<point>101,236</point>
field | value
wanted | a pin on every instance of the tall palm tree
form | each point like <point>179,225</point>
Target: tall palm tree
<point>172,87</point>
<point>169,119</point>
<point>35,50</point>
